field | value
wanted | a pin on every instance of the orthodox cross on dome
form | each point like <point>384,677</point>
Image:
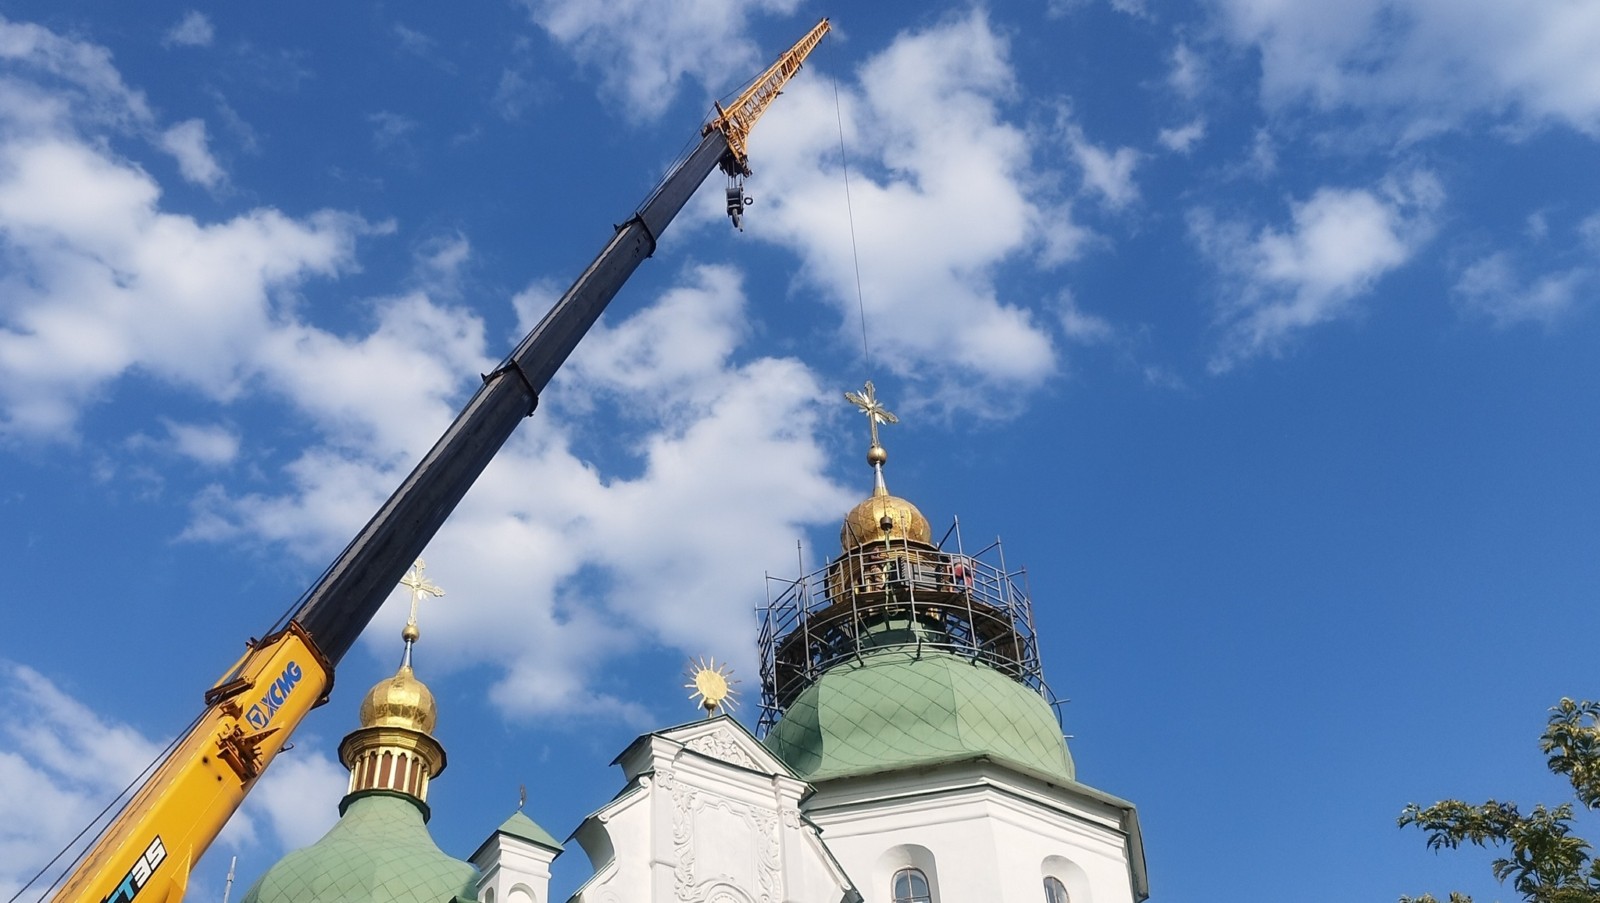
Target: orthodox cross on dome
<point>867,401</point>
<point>419,585</point>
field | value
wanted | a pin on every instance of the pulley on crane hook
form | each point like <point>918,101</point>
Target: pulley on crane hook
<point>737,201</point>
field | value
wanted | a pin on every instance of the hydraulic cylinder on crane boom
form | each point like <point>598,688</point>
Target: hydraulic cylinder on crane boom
<point>147,852</point>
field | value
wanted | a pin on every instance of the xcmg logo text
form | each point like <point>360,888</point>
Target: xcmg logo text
<point>261,713</point>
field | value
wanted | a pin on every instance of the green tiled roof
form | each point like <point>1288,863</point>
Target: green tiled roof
<point>379,852</point>
<point>899,708</point>
<point>525,828</point>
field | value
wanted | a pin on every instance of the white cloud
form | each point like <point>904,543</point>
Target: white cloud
<point>1430,63</point>
<point>87,81</point>
<point>1079,325</point>
<point>439,262</point>
<point>186,142</point>
<point>297,798</point>
<point>1106,173</point>
<point>413,41</point>
<point>103,282</point>
<point>943,191</point>
<point>394,385</point>
<point>1263,161</point>
<point>1537,226</point>
<point>1496,286</point>
<point>645,50</point>
<point>100,281</point>
<point>1135,8</point>
<point>1336,246</point>
<point>1187,75</point>
<point>519,84</point>
<point>554,568</point>
<point>670,348</point>
<point>1182,139</point>
<point>193,30</point>
<point>1491,287</point>
<point>60,763</point>
<point>211,444</point>
<point>390,129</point>
<point>1589,232</point>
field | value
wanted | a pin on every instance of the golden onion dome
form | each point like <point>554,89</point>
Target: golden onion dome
<point>400,701</point>
<point>884,517</point>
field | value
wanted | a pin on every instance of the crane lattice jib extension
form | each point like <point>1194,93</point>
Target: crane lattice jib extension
<point>736,120</point>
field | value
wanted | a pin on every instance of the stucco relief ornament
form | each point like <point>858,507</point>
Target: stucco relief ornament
<point>771,855</point>
<point>720,745</point>
<point>683,803</point>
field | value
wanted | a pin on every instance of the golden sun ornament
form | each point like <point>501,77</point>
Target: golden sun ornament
<point>712,685</point>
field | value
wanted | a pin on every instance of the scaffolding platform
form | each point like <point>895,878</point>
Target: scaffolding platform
<point>896,593</point>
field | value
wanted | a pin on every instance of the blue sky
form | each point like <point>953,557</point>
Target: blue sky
<point>1263,332</point>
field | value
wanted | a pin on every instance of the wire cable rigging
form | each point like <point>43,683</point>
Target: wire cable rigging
<point>119,798</point>
<point>855,254</point>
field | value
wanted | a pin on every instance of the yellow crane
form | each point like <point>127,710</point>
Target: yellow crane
<point>148,850</point>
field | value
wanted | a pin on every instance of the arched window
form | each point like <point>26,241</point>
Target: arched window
<point>1054,890</point>
<point>911,886</point>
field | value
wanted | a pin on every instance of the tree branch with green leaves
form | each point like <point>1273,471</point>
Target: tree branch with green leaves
<point>1544,861</point>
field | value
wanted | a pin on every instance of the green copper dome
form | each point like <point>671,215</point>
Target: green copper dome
<point>898,708</point>
<point>379,852</point>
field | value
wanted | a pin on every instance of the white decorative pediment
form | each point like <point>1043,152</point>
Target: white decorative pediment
<point>725,739</point>
<point>721,744</point>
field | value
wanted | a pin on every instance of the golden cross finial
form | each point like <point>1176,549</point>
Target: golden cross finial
<point>420,586</point>
<point>867,401</point>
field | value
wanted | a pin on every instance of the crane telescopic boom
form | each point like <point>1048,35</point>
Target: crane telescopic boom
<point>147,852</point>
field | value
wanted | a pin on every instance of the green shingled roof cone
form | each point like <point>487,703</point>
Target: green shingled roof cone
<point>899,708</point>
<point>380,851</point>
<point>524,828</point>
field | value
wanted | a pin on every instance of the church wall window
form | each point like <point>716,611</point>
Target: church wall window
<point>911,886</point>
<point>1065,881</point>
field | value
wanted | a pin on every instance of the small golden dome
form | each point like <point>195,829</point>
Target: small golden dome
<point>400,701</point>
<point>884,517</point>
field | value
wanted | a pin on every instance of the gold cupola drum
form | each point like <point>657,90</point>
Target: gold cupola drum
<point>894,586</point>
<point>394,749</point>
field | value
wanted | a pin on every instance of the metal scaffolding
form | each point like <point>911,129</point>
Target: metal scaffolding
<point>896,593</point>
